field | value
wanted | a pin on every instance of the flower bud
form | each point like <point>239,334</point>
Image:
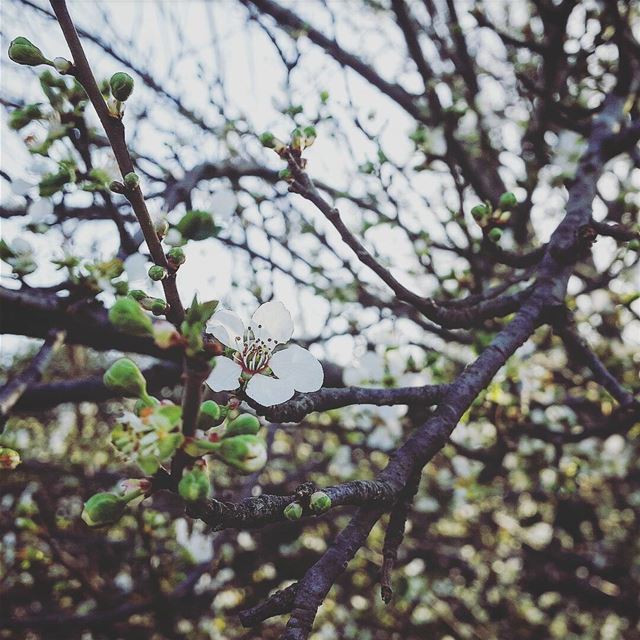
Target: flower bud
<point>124,377</point>
<point>267,139</point>
<point>319,502</point>
<point>138,294</point>
<point>158,307</point>
<point>131,181</point>
<point>165,335</point>
<point>297,139</point>
<point>23,51</point>
<point>285,174</point>
<point>210,415</point>
<point>127,316</point>
<point>103,508</point>
<point>138,486</point>
<point>309,135</point>
<point>157,273</point>
<point>161,227</point>
<point>121,84</point>
<point>195,485</point>
<point>176,256</point>
<point>9,459</point>
<point>247,453</point>
<point>507,200</point>
<point>480,211</point>
<point>495,234</point>
<point>62,65</point>
<point>242,425</point>
<point>168,444</point>
<point>634,244</point>
<point>293,511</point>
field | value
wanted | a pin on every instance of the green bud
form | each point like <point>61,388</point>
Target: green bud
<point>23,51</point>
<point>62,65</point>
<point>285,174</point>
<point>297,139</point>
<point>507,201</point>
<point>268,140</point>
<point>161,227</point>
<point>138,294</point>
<point>210,415</point>
<point>319,502</point>
<point>124,377</point>
<point>495,234</point>
<point>309,135</point>
<point>157,273</point>
<point>480,211</point>
<point>247,453</point>
<point>131,181</point>
<point>158,307</point>
<point>9,459</point>
<point>634,244</point>
<point>195,485</point>
<point>176,255</point>
<point>121,84</point>
<point>103,508</point>
<point>169,444</point>
<point>243,424</point>
<point>127,316</point>
<point>293,511</point>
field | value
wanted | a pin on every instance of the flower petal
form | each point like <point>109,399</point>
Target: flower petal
<point>272,320</point>
<point>269,391</point>
<point>225,375</point>
<point>227,327</point>
<point>299,367</point>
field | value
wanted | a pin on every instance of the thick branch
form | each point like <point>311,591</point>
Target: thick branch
<point>302,404</point>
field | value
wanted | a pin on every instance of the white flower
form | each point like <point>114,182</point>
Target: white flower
<point>295,368</point>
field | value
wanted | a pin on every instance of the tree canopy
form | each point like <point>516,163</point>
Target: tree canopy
<point>320,320</point>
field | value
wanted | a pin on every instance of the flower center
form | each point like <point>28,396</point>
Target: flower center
<point>255,353</point>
